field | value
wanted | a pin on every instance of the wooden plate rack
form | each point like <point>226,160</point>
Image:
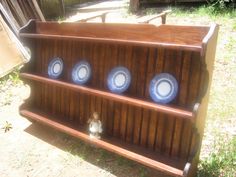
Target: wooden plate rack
<point>164,137</point>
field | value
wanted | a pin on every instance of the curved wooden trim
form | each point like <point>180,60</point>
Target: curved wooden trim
<point>213,29</point>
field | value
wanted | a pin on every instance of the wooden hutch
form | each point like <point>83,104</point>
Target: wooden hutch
<point>166,137</point>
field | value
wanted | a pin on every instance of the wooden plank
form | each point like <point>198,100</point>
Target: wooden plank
<point>100,53</point>
<point>103,144</point>
<point>68,66</point>
<point>29,7</point>
<point>132,101</point>
<point>48,92</point>
<point>176,139</point>
<point>92,58</point>
<point>114,41</point>
<point>118,107</point>
<point>112,106</point>
<point>152,130</point>
<point>140,60</point>
<point>159,65</point>
<point>18,12</point>
<point>44,67</point>
<point>26,9</point>
<point>194,87</point>
<point>64,92</point>
<point>169,67</point>
<point>39,54</point>
<point>89,106</point>
<point>5,10</point>
<point>183,101</point>
<point>83,101</point>
<point>38,10</point>
<point>124,108</point>
<point>106,63</point>
<point>152,57</point>
<point>173,36</point>
<point>130,126</point>
<point>72,95</point>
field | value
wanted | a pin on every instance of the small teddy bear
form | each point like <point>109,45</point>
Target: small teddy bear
<point>95,126</point>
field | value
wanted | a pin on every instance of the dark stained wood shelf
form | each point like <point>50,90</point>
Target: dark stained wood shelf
<point>168,36</point>
<point>165,137</point>
<point>132,101</point>
<point>152,159</point>
<point>117,41</point>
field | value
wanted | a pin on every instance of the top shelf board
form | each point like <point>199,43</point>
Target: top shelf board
<point>169,36</point>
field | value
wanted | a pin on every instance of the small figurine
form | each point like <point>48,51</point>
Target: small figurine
<point>95,126</point>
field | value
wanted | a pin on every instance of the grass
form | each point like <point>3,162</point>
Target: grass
<point>220,162</point>
<point>218,153</point>
<point>205,10</point>
<point>6,84</point>
<point>7,126</point>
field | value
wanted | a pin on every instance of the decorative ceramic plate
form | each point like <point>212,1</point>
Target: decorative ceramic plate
<point>81,72</point>
<point>119,79</point>
<point>55,68</point>
<point>163,88</point>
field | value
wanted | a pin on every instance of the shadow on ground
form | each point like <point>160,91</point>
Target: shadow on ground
<point>117,165</point>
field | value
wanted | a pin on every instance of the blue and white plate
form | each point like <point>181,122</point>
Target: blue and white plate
<point>55,68</point>
<point>81,72</point>
<point>119,79</point>
<point>163,88</point>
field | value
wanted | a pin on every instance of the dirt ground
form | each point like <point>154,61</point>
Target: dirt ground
<point>33,150</point>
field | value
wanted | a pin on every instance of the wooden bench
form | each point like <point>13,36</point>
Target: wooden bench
<point>166,137</point>
<point>103,16</point>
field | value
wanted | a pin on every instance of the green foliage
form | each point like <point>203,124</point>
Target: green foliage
<point>13,78</point>
<point>6,84</point>
<point>220,6</point>
<point>7,127</point>
<point>205,10</point>
<point>221,162</point>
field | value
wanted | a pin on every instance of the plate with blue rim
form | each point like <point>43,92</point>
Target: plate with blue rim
<point>163,88</point>
<point>119,79</point>
<point>81,72</point>
<point>55,68</point>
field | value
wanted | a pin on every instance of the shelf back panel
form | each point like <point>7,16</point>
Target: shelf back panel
<point>143,64</point>
<point>157,131</point>
<point>172,34</point>
<point>146,128</point>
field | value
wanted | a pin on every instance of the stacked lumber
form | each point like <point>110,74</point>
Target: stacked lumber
<point>17,12</point>
<point>13,15</point>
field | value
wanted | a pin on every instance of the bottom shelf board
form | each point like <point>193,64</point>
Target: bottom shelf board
<point>136,153</point>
